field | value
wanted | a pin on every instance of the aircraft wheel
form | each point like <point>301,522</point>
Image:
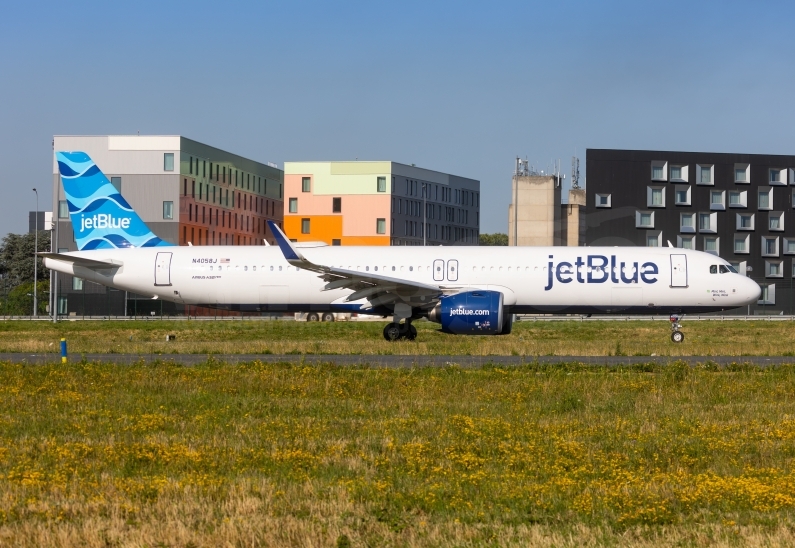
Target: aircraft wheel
<point>392,332</point>
<point>677,336</point>
<point>328,317</point>
<point>411,333</point>
<point>312,317</point>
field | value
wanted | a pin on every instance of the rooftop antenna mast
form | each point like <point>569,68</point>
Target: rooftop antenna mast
<point>575,173</point>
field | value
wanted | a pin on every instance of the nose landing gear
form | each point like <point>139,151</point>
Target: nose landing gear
<point>676,335</point>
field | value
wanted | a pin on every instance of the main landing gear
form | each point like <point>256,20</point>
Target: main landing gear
<point>396,331</point>
<point>676,335</point>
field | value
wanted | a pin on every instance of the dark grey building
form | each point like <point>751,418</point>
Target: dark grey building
<point>737,206</point>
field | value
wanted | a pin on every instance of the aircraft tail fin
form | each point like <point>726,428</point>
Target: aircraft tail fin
<point>101,217</point>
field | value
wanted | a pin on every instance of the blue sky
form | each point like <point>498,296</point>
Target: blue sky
<point>460,87</point>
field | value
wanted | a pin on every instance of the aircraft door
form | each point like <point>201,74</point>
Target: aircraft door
<point>438,270</point>
<point>679,270</point>
<point>163,269</point>
<point>452,270</point>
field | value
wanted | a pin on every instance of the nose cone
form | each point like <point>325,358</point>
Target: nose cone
<point>750,290</point>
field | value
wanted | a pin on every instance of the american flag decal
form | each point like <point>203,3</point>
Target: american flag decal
<point>224,261</point>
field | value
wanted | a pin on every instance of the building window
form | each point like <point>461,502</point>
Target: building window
<point>789,246</point>
<point>603,200</point>
<point>380,226</point>
<point>717,200</point>
<point>644,219</point>
<point>742,243</point>
<point>738,198</point>
<point>658,171</point>
<point>775,221</point>
<point>765,198</point>
<point>381,184</point>
<point>336,205</point>
<point>711,244</point>
<point>705,174</point>
<point>682,194</point>
<point>708,222</point>
<point>336,241</point>
<point>770,246</point>
<point>773,269</point>
<point>768,295</point>
<point>685,242</point>
<point>687,222</point>
<point>306,184</point>
<point>304,226</point>
<point>116,182</point>
<point>653,239</point>
<point>742,173</point>
<point>77,283</point>
<point>293,207</point>
<point>655,196</point>
<point>63,210</point>
<point>678,174</point>
<point>745,221</point>
<point>168,161</point>
<point>778,176</point>
<point>168,210</point>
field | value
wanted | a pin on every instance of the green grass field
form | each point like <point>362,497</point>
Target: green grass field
<point>574,338</point>
<point>277,455</point>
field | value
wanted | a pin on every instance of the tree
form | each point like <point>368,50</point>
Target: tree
<point>494,239</point>
<point>16,272</point>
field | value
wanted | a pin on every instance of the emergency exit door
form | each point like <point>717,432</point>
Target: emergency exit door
<point>678,270</point>
<point>163,269</point>
<point>438,270</point>
<point>452,271</point>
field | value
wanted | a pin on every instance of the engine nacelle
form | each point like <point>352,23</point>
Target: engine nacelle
<point>469,313</point>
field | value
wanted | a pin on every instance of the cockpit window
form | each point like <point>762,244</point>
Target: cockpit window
<point>713,269</point>
<point>726,268</point>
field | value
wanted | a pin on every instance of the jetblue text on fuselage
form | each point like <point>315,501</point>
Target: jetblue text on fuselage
<point>103,220</point>
<point>598,269</point>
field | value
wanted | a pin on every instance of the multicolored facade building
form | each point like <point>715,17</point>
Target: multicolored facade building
<point>379,203</point>
<point>185,191</point>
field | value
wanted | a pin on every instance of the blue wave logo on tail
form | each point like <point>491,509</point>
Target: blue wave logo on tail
<point>101,218</point>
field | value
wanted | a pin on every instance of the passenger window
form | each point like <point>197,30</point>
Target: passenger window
<point>376,268</point>
<point>211,268</point>
<point>411,269</point>
<point>713,269</point>
<point>280,269</point>
<point>245,268</point>
<point>271,268</point>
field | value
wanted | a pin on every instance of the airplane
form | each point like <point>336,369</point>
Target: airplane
<point>468,290</point>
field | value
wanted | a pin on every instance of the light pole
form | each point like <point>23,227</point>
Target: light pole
<point>36,259</point>
<point>424,211</point>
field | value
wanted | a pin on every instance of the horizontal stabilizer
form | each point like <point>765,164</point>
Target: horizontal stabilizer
<point>81,261</point>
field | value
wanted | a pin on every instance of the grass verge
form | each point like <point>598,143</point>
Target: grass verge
<point>574,338</point>
<point>284,455</point>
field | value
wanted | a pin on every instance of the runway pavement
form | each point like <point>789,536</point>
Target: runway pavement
<point>394,361</point>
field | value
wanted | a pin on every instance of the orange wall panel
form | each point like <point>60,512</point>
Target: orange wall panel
<point>322,228</point>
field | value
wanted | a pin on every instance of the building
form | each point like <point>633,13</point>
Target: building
<point>541,219</point>
<point>736,206</point>
<point>185,191</point>
<point>43,222</point>
<point>379,203</point>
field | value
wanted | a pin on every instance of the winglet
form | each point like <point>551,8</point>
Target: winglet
<point>290,253</point>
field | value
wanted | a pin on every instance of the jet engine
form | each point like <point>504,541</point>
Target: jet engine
<point>469,313</point>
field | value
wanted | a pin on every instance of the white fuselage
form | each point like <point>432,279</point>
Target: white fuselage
<point>532,279</point>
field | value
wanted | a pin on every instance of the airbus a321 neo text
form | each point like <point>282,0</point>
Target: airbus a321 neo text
<point>468,290</point>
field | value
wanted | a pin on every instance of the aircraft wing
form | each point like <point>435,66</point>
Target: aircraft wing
<point>81,261</point>
<point>376,288</point>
